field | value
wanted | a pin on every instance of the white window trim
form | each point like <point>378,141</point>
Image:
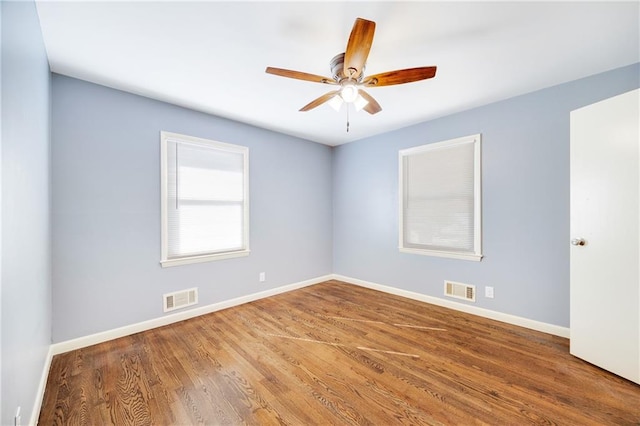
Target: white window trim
<point>164,260</point>
<point>477,213</point>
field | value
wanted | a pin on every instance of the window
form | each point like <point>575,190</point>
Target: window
<point>440,209</point>
<point>205,200</point>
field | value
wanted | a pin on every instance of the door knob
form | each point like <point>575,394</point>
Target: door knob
<point>578,242</point>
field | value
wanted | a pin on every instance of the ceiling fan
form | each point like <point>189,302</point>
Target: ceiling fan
<point>348,73</point>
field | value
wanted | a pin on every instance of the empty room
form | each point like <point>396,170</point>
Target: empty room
<point>319,213</point>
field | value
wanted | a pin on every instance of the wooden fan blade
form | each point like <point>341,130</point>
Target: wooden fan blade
<point>358,47</point>
<point>319,101</point>
<point>300,75</point>
<point>373,106</point>
<point>399,76</point>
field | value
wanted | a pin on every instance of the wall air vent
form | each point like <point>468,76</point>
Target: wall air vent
<point>460,290</point>
<point>180,299</point>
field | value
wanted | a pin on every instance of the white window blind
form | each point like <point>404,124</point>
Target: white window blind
<point>440,199</point>
<point>205,200</point>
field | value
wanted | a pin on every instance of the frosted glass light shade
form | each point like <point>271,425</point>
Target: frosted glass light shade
<point>360,102</point>
<point>336,103</point>
<point>349,92</point>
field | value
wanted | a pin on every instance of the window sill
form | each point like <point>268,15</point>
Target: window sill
<point>204,258</point>
<point>451,255</point>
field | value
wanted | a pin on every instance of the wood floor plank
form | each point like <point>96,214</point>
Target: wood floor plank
<point>335,353</point>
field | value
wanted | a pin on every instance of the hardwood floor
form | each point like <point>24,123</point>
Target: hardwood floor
<point>335,353</point>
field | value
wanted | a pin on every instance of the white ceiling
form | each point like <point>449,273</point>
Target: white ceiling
<point>211,56</point>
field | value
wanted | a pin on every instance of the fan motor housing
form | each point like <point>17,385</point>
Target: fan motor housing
<point>337,69</point>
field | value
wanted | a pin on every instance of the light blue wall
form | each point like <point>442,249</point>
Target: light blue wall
<point>25,225</point>
<point>525,160</point>
<point>106,209</point>
<point>106,220</point>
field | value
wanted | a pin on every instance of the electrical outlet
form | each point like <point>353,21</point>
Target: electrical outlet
<point>18,418</point>
<point>488,292</point>
<point>262,277</point>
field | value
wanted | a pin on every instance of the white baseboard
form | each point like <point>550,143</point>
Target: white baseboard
<point>104,336</point>
<point>81,342</point>
<point>35,413</point>
<point>556,330</point>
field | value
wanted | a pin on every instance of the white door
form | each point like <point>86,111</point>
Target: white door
<point>605,233</point>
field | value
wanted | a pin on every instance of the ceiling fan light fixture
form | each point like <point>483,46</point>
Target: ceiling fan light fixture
<point>349,92</point>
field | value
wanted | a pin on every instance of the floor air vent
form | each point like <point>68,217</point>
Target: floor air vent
<point>460,291</point>
<point>180,299</point>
